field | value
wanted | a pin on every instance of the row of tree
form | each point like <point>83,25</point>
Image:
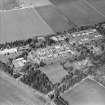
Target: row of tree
<point>17,43</point>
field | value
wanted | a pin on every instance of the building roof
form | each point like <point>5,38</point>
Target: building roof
<point>19,62</point>
<point>5,51</point>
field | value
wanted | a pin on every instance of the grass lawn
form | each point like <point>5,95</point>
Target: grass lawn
<point>54,72</point>
<point>88,92</point>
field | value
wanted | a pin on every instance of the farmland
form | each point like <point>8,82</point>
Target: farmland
<point>87,92</point>
<point>40,64</point>
<point>54,18</point>
<point>99,5</point>
<point>15,93</point>
<point>79,11</point>
<point>46,18</point>
<point>22,24</point>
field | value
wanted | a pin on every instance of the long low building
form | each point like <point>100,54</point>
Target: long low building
<point>8,51</point>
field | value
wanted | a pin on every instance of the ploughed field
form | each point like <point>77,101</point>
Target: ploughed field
<point>46,17</point>
<point>82,12</point>
<point>87,92</point>
<point>54,18</point>
<point>99,5</point>
<point>14,93</point>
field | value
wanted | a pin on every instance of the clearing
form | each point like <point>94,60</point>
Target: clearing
<point>55,72</point>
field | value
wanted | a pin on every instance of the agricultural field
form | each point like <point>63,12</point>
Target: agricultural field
<point>8,4</point>
<point>99,5</point>
<point>22,24</point>
<point>54,18</point>
<point>54,72</point>
<point>88,92</point>
<point>79,11</point>
<point>15,93</point>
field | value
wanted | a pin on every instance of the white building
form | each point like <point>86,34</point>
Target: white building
<point>8,51</point>
<point>20,62</point>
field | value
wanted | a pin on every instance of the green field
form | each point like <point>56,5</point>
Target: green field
<point>88,92</point>
<point>14,93</point>
<point>54,72</point>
